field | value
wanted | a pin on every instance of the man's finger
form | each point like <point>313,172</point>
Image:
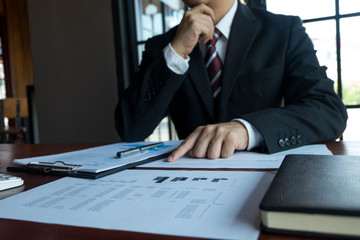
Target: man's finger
<point>179,152</point>
<point>184,147</point>
<point>204,9</point>
<point>215,147</point>
<point>228,148</point>
<point>205,136</point>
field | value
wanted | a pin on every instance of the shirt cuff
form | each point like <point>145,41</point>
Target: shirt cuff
<point>174,61</point>
<point>255,138</point>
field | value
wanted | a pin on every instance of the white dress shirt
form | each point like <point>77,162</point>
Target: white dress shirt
<point>180,65</point>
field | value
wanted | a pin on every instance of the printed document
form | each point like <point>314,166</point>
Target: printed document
<point>204,204</point>
<point>99,159</point>
<point>240,159</point>
<point>103,158</point>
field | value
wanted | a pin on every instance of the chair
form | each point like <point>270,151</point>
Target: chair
<point>16,111</point>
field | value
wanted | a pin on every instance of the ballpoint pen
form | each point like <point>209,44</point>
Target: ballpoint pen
<point>136,150</point>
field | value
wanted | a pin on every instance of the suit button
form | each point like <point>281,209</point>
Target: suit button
<point>287,142</point>
<point>298,139</point>
<point>293,140</point>
<point>147,97</point>
<point>281,143</point>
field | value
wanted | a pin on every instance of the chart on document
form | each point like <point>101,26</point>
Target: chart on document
<point>210,204</point>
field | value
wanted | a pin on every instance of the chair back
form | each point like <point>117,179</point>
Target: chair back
<point>16,109</point>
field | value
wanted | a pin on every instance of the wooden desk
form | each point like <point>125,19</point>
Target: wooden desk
<point>12,229</point>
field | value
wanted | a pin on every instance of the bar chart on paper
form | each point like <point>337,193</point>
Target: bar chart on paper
<point>183,179</point>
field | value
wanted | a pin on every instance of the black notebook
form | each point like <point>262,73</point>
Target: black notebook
<point>314,195</point>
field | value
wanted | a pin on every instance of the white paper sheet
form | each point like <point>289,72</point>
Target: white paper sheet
<point>241,159</point>
<point>207,204</point>
<point>101,158</point>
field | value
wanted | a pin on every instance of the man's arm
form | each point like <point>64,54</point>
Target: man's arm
<point>146,101</point>
<point>312,111</point>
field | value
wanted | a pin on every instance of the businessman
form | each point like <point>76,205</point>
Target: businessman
<point>232,78</point>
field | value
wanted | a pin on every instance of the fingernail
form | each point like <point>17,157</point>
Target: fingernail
<point>170,158</point>
<point>191,153</point>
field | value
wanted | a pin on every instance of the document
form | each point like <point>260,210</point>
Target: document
<point>204,204</point>
<point>241,159</point>
<point>98,161</point>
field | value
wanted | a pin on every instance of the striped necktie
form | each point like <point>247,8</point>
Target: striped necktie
<point>213,64</point>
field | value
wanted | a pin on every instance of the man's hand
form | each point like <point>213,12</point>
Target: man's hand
<point>213,141</point>
<point>196,25</point>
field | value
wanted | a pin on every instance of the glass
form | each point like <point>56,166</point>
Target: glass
<point>349,6</point>
<point>150,23</point>
<point>174,11</point>
<point>149,18</point>
<point>306,9</point>
<point>161,132</point>
<point>350,52</point>
<point>2,80</point>
<point>2,75</point>
<point>353,127</point>
<point>323,36</point>
<point>141,49</point>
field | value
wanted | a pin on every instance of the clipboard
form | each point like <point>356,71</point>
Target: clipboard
<point>73,168</point>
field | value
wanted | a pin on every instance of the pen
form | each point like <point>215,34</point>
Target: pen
<point>135,150</point>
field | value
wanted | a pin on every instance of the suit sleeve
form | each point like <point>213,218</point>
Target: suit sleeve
<point>312,111</point>
<point>143,105</point>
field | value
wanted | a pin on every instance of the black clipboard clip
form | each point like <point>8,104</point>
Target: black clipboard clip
<point>58,166</point>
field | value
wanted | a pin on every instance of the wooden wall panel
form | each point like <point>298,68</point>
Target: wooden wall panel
<point>17,38</point>
<point>2,10</point>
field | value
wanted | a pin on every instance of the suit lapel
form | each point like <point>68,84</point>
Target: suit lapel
<point>244,29</point>
<point>200,79</point>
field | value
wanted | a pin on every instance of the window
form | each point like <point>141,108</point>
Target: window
<point>332,25</point>
<point>2,75</point>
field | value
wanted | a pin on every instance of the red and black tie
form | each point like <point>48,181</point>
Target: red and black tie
<point>213,64</point>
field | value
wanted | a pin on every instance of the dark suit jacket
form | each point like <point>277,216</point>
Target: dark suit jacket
<point>271,78</point>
